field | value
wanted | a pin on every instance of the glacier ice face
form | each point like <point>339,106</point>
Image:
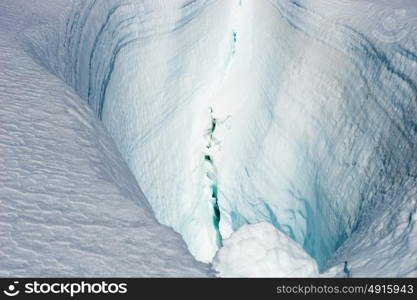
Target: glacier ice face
<point>69,206</point>
<point>267,253</point>
<point>137,68</point>
<point>313,105</point>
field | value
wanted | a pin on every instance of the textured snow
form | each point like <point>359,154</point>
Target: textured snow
<point>261,250</point>
<point>299,113</point>
<point>69,205</point>
<point>144,69</point>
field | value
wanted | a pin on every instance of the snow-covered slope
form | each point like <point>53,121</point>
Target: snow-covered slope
<point>300,113</point>
<point>69,205</point>
<point>145,67</point>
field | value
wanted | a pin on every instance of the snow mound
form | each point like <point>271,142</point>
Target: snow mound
<point>261,250</point>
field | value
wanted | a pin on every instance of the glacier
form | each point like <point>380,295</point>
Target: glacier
<point>298,113</point>
<point>69,206</point>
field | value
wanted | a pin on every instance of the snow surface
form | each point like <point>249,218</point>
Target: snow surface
<point>299,113</point>
<point>267,253</point>
<point>69,205</point>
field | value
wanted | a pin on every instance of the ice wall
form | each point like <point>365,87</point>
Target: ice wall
<point>69,205</point>
<point>147,68</point>
<point>298,113</point>
<point>329,123</point>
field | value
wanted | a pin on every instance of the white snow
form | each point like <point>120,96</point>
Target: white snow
<point>261,250</point>
<point>69,205</point>
<point>313,101</point>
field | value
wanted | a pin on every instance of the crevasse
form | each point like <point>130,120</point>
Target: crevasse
<point>319,112</point>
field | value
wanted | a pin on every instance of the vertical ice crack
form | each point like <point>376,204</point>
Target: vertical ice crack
<point>234,43</point>
<point>212,176</point>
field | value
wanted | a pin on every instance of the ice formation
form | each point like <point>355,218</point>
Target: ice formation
<point>298,113</point>
<point>68,204</point>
